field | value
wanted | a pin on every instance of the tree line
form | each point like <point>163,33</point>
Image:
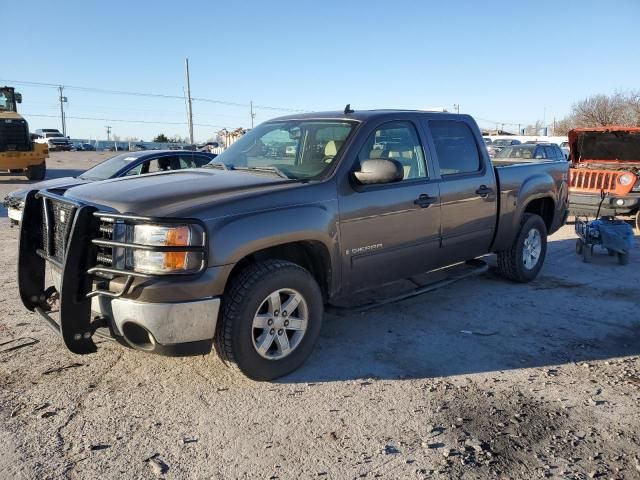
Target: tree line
<point>620,108</point>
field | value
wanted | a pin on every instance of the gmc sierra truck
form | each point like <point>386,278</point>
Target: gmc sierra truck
<point>245,254</point>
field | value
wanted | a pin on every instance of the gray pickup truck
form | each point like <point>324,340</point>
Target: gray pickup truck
<point>244,255</point>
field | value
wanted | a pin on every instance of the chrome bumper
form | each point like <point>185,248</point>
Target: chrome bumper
<point>168,323</point>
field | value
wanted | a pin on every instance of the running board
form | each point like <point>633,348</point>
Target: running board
<point>470,268</point>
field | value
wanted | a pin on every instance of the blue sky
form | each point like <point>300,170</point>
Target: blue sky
<point>501,61</point>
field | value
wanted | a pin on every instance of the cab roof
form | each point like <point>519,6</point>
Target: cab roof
<point>365,115</point>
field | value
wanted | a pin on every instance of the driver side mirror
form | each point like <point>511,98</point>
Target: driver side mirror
<point>377,171</point>
<point>18,97</point>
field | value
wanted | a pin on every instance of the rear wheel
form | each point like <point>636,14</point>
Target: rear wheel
<point>271,319</point>
<point>623,258</point>
<point>37,172</point>
<point>523,261</point>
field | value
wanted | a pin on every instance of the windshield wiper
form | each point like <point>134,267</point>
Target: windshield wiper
<point>222,165</point>
<point>270,169</point>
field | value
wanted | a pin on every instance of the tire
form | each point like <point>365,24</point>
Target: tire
<point>579,246</point>
<point>37,172</point>
<point>249,294</point>
<point>623,258</point>
<point>511,262</point>
<point>637,222</point>
<point>587,253</point>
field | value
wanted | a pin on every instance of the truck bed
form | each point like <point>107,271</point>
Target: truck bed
<point>518,179</point>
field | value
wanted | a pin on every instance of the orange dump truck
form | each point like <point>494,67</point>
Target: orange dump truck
<point>605,158</point>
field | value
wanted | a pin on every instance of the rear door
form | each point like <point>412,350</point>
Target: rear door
<point>389,231</point>
<point>467,190</point>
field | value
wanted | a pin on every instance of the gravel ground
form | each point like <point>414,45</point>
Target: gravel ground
<point>482,379</point>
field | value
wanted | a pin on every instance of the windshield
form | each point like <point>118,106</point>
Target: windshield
<point>53,135</point>
<point>297,149</point>
<point>108,168</point>
<point>7,103</point>
<point>517,151</point>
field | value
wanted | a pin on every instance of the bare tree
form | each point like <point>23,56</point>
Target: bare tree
<point>602,110</point>
<point>534,129</point>
<point>562,127</point>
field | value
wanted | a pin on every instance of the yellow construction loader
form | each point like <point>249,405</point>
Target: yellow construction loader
<point>18,154</point>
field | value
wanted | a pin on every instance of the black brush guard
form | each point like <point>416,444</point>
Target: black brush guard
<point>78,264</point>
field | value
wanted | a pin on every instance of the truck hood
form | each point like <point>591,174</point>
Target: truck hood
<point>17,196</point>
<point>167,194</point>
<point>614,145</point>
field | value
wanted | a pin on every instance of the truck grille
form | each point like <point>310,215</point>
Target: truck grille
<point>594,181</point>
<point>57,220</point>
<point>14,135</point>
<point>105,232</point>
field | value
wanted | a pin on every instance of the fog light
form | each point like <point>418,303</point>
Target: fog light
<point>620,202</point>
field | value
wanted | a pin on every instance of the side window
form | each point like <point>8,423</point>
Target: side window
<point>559,154</point>
<point>137,170</point>
<point>200,160</point>
<point>191,160</point>
<point>541,153</point>
<point>162,164</point>
<point>396,141</point>
<point>455,146</point>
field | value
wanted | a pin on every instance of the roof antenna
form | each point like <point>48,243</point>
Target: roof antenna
<point>347,109</point>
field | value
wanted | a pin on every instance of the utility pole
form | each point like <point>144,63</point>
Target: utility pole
<point>189,105</point>
<point>108,132</point>
<point>63,121</point>
<point>253,115</point>
<point>456,106</point>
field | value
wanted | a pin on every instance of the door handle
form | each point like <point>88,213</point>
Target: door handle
<point>425,200</point>
<point>484,191</point>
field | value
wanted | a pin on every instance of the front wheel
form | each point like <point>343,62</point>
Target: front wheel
<point>37,172</point>
<point>271,318</point>
<point>623,258</point>
<point>523,261</point>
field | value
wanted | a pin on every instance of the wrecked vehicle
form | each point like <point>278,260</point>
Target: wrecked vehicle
<point>245,254</point>
<point>605,159</point>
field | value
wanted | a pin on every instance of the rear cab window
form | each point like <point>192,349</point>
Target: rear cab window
<point>456,148</point>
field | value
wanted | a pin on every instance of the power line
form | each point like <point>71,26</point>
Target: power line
<point>151,95</point>
<point>122,120</point>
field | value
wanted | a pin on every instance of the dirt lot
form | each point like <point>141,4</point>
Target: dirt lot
<point>482,379</point>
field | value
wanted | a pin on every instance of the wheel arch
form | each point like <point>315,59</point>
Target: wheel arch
<point>312,255</point>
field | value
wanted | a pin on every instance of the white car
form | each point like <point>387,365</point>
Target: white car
<point>53,139</point>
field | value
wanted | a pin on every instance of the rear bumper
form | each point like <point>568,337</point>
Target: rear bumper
<point>587,204</point>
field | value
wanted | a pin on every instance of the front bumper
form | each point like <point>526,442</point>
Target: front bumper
<point>587,204</point>
<point>14,214</point>
<point>87,305</point>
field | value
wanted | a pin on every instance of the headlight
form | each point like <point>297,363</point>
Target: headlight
<point>626,179</point>
<point>154,262</point>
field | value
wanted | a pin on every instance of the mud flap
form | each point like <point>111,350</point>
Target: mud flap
<point>75,307</point>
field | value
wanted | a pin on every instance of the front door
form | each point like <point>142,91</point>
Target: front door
<point>390,231</point>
